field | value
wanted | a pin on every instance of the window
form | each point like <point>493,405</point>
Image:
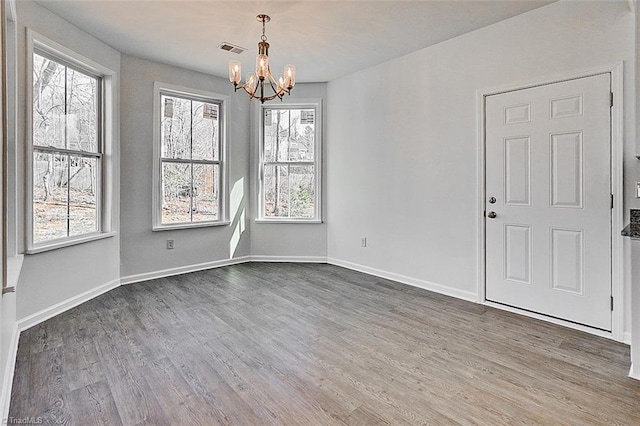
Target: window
<point>189,172</point>
<point>66,150</point>
<point>290,151</point>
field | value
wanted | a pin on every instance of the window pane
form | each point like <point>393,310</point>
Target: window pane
<point>191,170</point>
<point>82,112</point>
<point>83,213</point>
<point>176,192</point>
<point>276,191</point>
<point>302,191</point>
<point>206,192</point>
<point>49,197</point>
<point>205,131</point>
<point>176,127</point>
<point>48,103</point>
<point>301,135</point>
<point>276,133</point>
<point>288,163</point>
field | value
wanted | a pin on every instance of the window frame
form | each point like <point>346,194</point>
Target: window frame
<point>316,105</point>
<point>107,84</point>
<point>160,89</point>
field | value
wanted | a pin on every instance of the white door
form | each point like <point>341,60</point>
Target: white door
<point>548,200</point>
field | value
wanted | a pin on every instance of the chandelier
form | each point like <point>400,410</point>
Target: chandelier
<point>261,84</point>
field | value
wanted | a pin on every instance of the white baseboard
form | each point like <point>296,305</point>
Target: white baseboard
<point>65,305</point>
<point>426,285</point>
<point>217,264</point>
<point>182,270</point>
<point>289,259</point>
<point>5,396</point>
<point>633,374</point>
<point>626,337</point>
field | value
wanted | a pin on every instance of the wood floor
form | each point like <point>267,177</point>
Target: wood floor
<point>307,345</point>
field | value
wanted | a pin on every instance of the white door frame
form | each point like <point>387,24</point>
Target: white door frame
<point>617,189</point>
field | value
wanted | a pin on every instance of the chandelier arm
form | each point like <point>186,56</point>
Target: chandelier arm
<point>262,99</point>
<point>251,95</point>
<point>274,86</point>
<point>268,98</point>
<point>276,93</point>
<point>242,86</point>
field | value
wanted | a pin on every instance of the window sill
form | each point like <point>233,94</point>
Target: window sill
<point>70,242</point>
<point>189,226</point>
<point>287,221</point>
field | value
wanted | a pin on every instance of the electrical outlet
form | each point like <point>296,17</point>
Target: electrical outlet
<point>637,189</point>
<point>363,242</point>
<point>170,245</point>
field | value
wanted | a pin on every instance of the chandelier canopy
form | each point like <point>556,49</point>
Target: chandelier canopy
<point>261,84</point>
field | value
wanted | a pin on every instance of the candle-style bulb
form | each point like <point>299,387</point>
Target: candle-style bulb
<point>289,76</point>
<point>235,71</point>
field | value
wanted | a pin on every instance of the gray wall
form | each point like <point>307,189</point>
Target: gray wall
<point>400,165</point>
<point>289,240</point>
<point>55,276</point>
<point>402,160</point>
<point>144,251</point>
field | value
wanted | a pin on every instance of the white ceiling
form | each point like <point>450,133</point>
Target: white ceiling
<point>323,39</point>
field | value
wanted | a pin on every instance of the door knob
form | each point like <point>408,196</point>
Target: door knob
<point>492,215</point>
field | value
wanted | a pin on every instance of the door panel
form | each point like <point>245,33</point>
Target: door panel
<point>567,260</point>
<point>548,166</point>
<point>566,170</point>
<point>517,253</point>
<point>517,171</point>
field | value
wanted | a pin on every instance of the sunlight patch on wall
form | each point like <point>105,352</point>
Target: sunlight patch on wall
<point>238,218</point>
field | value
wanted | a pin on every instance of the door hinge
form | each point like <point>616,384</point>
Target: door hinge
<point>612,303</point>
<point>610,99</point>
<point>611,201</point>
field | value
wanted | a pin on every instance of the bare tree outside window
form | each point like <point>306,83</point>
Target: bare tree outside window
<point>190,160</point>
<point>67,153</point>
<point>288,163</point>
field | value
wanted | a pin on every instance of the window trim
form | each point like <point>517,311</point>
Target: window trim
<point>315,104</point>
<point>160,88</point>
<point>37,43</point>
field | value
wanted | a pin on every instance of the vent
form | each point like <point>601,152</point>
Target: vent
<point>231,48</point>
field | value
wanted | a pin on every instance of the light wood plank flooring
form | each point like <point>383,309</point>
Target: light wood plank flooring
<point>306,344</point>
